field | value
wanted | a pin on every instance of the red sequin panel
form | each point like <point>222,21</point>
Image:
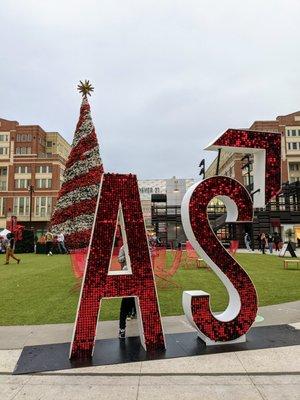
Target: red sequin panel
<point>115,190</point>
<point>270,141</point>
<point>242,307</point>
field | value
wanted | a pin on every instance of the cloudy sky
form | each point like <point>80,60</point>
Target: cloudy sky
<point>169,75</point>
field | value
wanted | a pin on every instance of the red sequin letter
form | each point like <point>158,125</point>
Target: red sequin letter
<point>240,314</point>
<point>266,148</point>
<point>117,192</point>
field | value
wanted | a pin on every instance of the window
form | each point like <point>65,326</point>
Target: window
<point>294,167</point>
<point>294,146</point>
<point>3,171</point>
<point>22,183</point>
<point>49,144</point>
<point>3,138</point>
<point>3,185</point>
<point>24,137</point>
<point>22,169</point>
<point>23,150</point>
<point>2,205</point>
<point>44,169</point>
<point>43,183</point>
<point>293,132</point>
<point>3,150</point>
<point>43,206</point>
<point>21,205</point>
<point>42,141</point>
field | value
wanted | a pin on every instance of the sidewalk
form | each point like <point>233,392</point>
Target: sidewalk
<point>255,374</point>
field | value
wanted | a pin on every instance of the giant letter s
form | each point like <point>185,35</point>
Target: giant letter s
<point>240,313</point>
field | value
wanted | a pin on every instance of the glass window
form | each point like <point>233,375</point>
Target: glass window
<point>3,138</point>
<point>293,132</point>
<point>22,169</point>
<point>3,185</point>
<point>43,206</point>
<point>294,146</point>
<point>44,169</point>
<point>22,183</point>
<point>21,205</point>
<point>3,171</point>
<point>24,137</point>
<point>2,205</point>
<point>43,183</point>
<point>3,150</point>
<point>49,144</point>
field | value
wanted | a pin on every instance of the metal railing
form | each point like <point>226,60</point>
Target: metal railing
<point>220,209</point>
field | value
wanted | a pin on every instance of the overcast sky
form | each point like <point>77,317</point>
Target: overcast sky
<point>169,75</point>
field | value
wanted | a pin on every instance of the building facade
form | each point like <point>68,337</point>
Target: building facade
<point>230,164</point>
<point>32,163</point>
<point>161,200</point>
<point>282,213</point>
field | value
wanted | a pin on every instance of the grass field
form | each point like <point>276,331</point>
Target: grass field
<point>39,289</point>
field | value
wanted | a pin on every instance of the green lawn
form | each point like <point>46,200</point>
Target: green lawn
<point>39,289</point>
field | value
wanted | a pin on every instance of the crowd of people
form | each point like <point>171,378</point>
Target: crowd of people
<point>266,241</point>
<point>52,242</point>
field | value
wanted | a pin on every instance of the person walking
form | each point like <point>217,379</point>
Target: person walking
<point>264,242</point>
<point>49,243</point>
<point>247,241</point>
<point>61,243</point>
<point>10,248</point>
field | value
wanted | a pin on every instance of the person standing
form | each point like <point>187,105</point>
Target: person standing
<point>270,243</point>
<point>259,241</point>
<point>247,241</point>
<point>10,248</point>
<point>128,303</point>
<point>264,242</point>
<point>276,241</point>
<point>49,243</point>
<point>61,243</point>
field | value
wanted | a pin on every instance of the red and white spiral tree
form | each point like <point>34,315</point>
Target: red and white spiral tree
<point>76,203</point>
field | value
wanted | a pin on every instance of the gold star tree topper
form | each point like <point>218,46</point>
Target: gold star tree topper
<point>85,88</point>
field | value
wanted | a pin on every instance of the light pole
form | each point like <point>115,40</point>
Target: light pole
<point>31,191</point>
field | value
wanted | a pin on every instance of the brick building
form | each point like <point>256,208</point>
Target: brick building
<point>29,156</point>
<point>283,213</point>
<point>230,164</point>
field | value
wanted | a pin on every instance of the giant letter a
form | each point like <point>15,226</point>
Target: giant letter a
<point>117,192</point>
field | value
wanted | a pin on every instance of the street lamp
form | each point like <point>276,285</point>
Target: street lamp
<point>31,191</point>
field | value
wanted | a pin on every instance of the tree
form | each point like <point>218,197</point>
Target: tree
<point>76,203</point>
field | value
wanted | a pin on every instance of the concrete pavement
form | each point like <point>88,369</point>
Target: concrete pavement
<point>254,374</point>
<point>16,337</point>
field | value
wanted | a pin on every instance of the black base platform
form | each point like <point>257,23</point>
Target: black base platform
<point>53,357</point>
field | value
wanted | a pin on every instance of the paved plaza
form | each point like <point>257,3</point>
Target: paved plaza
<point>253,374</point>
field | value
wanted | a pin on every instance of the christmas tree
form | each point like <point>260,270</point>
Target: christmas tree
<point>74,212</point>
